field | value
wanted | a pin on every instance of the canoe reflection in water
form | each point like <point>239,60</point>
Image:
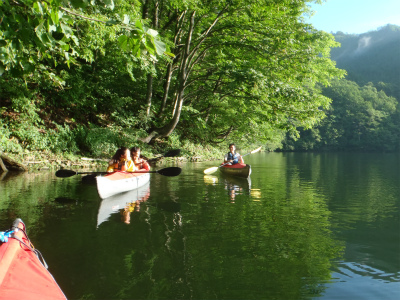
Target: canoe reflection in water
<point>234,185</point>
<point>123,203</point>
<point>237,186</point>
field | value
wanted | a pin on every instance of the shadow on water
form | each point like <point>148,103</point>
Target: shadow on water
<point>66,200</point>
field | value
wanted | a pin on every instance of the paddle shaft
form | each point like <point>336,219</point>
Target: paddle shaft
<point>171,171</point>
<point>104,173</point>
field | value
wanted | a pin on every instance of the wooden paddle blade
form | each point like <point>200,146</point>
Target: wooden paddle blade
<point>65,173</point>
<point>254,151</point>
<point>171,171</point>
<point>172,153</point>
<point>210,170</point>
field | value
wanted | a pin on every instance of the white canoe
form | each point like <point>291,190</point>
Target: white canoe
<point>116,203</point>
<point>119,182</point>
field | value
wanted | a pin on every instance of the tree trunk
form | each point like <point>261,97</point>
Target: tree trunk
<point>149,92</point>
<point>188,60</point>
<point>169,128</point>
<point>171,68</point>
<point>166,89</point>
<point>2,165</point>
<point>11,164</point>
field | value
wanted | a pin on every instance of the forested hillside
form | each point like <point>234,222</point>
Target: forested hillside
<point>87,77</point>
<point>364,113</point>
<point>371,57</point>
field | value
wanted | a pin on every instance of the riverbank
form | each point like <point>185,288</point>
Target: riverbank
<point>44,160</point>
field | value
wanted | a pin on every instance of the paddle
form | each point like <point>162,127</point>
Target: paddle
<point>171,171</point>
<point>215,169</point>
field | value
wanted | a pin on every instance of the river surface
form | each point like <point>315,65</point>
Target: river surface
<point>307,226</point>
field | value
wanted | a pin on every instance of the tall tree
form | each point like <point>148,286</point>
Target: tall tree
<point>240,66</point>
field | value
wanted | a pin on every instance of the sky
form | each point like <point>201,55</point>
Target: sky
<point>355,16</point>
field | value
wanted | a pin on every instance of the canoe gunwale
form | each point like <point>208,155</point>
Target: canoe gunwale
<point>107,187</point>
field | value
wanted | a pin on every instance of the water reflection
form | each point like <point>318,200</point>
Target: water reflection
<point>306,227</point>
<point>359,281</point>
<point>283,233</point>
<point>237,186</point>
<point>233,185</point>
<point>124,204</point>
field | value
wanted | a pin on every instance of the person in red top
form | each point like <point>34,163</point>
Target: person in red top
<point>140,163</point>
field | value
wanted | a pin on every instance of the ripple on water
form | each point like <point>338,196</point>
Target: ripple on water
<point>359,281</point>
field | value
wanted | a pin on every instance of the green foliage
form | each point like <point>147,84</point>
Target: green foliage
<point>25,124</point>
<point>62,139</point>
<point>365,112</point>
<point>33,32</point>
<point>8,144</point>
<point>233,70</point>
<point>361,118</point>
<point>37,36</point>
<point>246,64</point>
<point>98,142</point>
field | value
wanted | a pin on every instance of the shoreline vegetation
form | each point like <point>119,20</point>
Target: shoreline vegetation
<point>31,161</point>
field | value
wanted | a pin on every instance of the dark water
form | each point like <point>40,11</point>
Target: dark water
<point>307,226</point>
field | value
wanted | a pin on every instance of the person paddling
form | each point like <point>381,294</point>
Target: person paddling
<point>232,157</point>
<point>140,163</point>
<point>121,161</point>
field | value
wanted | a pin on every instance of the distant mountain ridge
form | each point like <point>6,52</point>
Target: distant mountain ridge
<point>370,57</point>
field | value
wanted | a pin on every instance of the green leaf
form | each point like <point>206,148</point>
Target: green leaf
<point>139,25</point>
<point>65,47</point>
<point>54,17</point>
<point>169,54</point>
<point>40,28</point>
<point>160,47</point>
<point>38,8</point>
<point>136,50</point>
<point>66,30</point>
<point>150,47</point>
<point>75,39</point>
<point>123,42</point>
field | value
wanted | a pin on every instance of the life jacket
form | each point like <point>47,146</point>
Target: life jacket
<point>234,157</point>
<point>116,166</point>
